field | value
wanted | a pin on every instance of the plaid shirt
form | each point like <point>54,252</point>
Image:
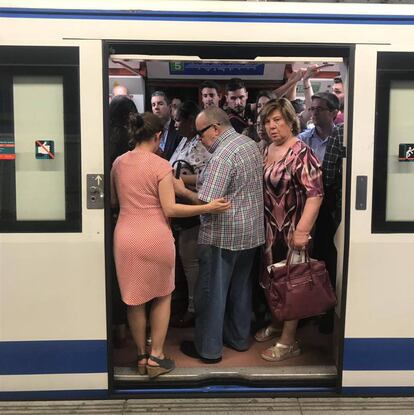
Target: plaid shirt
<point>234,172</point>
<point>332,161</point>
<point>332,171</point>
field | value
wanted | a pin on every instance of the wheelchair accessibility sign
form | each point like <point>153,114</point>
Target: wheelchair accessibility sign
<point>45,149</point>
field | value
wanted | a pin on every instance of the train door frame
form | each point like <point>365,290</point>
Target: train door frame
<point>229,50</point>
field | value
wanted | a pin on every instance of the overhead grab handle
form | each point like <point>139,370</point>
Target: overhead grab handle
<point>264,59</point>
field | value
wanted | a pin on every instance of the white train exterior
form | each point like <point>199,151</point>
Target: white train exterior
<point>53,320</point>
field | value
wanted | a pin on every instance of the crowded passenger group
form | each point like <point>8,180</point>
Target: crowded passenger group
<point>226,187</point>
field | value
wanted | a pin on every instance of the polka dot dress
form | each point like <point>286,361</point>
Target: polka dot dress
<point>143,243</point>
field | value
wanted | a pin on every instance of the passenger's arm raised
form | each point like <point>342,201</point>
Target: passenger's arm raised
<point>177,210</point>
<point>311,70</point>
<point>291,82</point>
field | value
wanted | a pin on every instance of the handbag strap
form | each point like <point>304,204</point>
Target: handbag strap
<point>190,167</point>
<point>290,254</point>
<point>289,262</point>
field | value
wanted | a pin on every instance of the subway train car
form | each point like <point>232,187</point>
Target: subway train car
<point>58,64</point>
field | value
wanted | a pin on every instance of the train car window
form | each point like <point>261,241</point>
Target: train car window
<point>39,140</point>
<point>393,191</point>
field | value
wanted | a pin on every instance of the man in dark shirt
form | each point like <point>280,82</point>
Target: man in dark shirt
<point>329,216</point>
<point>239,112</point>
<point>170,138</point>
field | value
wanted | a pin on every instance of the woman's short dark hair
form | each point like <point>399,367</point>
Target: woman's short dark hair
<point>265,93</point>
<point>298,105</point>
<point>187,110</point>
<point>142,127</point>
<point>287,111</point>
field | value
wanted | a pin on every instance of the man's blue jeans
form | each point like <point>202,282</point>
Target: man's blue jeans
<point>223,300</point>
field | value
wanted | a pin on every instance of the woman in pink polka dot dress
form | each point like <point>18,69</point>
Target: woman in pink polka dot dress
<point>143,185</point>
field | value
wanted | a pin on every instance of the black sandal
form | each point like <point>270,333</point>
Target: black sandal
<point>142,368</point>
<point>165,365</point>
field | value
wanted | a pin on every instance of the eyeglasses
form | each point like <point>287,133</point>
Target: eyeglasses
<point>203,130</point>
<point>318,109</point>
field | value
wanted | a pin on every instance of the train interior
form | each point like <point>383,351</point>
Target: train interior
<point>179,77</point>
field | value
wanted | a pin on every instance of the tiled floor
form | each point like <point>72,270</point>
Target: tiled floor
<point>222,406</point>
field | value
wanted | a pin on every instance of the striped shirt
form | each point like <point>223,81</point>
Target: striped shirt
<point>234,172</point>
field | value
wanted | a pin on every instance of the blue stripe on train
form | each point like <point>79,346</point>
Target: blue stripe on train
<point>206,16</point>
<point>53,356</point>
<point>46,395</point>
<point>379,391</point>
<point>379,354</point>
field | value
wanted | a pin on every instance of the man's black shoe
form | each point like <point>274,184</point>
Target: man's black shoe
<point>188,348</point>
<point>229,346</point>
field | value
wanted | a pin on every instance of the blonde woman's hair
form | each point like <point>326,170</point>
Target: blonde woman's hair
<point>287,111</point>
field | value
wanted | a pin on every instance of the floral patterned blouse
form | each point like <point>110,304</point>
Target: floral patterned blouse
<point>287,185</point>
<point>193,152</point>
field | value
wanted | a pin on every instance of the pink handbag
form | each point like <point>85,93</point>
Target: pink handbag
<point>295,291</point>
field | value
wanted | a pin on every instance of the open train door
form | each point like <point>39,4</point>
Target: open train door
<point>178,56</point>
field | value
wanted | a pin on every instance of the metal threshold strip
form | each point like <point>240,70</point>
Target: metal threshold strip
<point>294,373</point>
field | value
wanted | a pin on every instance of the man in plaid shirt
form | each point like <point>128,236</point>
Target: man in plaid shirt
<point>227,242</point>
<point>332,172</point>
<point>326,140</point>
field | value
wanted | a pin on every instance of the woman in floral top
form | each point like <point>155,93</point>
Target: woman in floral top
<point>293,193</point>
<point>193,156</point>
<point>190,149</point>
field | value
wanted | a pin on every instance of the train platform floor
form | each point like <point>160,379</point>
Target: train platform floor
<point>234,406</point>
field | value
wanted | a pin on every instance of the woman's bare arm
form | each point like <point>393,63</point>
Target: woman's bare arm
<point>300,237</point>
<point>189,179</point>
<point>178,210</point>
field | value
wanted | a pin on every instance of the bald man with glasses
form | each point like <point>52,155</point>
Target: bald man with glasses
<point>227,242</point>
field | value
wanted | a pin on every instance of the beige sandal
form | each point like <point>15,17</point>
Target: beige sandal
<point>267,333</point>
<point>280,352</point>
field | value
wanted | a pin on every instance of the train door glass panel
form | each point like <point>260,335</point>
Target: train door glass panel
<point>394,145</point>
<point>39,146</point>
<point>400,184</point>
<point>36,122</point>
